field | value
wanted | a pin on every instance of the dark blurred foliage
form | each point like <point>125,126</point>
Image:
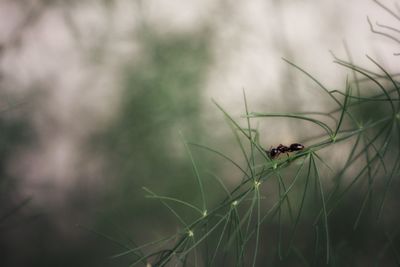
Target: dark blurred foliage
<point>15,133</point>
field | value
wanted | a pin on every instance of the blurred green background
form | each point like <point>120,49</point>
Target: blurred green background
<point>98,97</point>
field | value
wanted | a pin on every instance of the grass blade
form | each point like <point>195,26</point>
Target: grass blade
<point>203,198</point>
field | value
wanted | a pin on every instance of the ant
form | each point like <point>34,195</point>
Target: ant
<point>275,152</point>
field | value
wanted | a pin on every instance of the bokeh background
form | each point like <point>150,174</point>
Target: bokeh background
<point>95,94</point>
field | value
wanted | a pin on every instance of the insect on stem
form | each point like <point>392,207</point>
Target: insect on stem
<point>281,149</point>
